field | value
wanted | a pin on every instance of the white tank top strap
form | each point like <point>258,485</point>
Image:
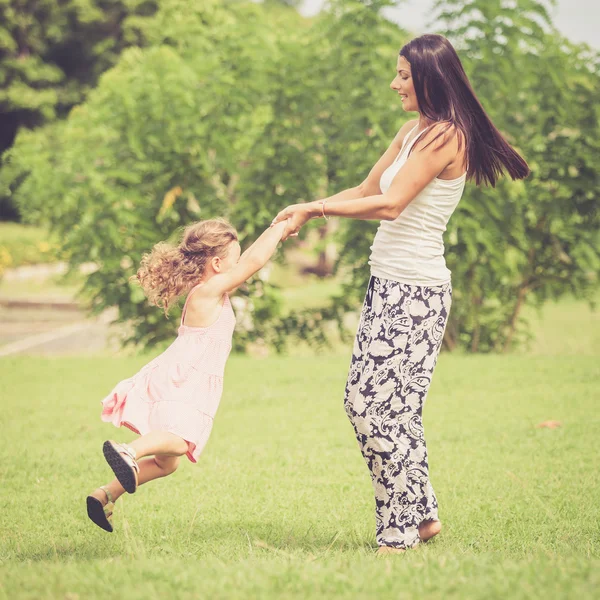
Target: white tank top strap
<point>406,137</point>
<point>410,144</point>
<point>414,140</point>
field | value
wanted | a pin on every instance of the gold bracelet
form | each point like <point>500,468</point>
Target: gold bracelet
<point>322,202</point>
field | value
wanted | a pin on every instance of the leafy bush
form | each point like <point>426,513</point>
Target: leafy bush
<point>237,110</point>
<point>25,245</point>
<point>522,242</point>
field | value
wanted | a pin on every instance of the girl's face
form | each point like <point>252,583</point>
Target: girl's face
<point>222,265</point>
<point>233,255</point>
<point>403,85</point>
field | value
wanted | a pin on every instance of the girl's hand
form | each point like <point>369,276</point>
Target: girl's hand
<point>297,215</point>
<point>252,261</point>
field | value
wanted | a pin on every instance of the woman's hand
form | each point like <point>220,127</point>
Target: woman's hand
<point>297,215</point>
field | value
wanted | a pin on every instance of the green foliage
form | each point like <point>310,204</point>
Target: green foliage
<point>52,53</point>
<point>239,109</point>
<point>327,128</point>
<point>25,245</point>
<point>540,238</point>
<point>524,242</point>
<point>143,156</point>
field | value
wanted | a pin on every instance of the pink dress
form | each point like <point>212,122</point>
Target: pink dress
<point>179,391</point>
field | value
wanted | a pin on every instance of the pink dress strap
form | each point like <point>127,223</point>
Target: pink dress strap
<point>183,312</point>
<point>186,301</point>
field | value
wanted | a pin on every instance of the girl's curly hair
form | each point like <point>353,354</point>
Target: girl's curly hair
<point>170,271</point>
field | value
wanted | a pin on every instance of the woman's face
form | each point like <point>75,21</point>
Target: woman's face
<point>403,85</point>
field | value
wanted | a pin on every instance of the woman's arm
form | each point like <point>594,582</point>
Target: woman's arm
<point>370,186</point>
<point>418,171</point>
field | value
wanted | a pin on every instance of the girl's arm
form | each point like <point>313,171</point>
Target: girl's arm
<point>247,250</point>
<point>252,261</point>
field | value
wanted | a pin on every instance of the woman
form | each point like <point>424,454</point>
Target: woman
<point>413,189</point>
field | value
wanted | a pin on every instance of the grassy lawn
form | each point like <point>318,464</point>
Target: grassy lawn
<point>52,288</point>
<point>280,504</point>
<point>566,327</point>
<point>25,245</point>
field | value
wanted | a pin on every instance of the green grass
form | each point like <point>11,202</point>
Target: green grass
<point>25,245</point>
<point>313,293</point>
<point>52,288</point>
<point>566,327</point>
<point>280,503</point>
<point>298,290</point>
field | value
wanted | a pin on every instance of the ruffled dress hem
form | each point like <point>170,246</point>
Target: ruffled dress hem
<point>180,390</point>
<point>119,408</point>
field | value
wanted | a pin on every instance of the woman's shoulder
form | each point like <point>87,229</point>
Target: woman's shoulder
<point>399,138</point>
<point>445,131</point>
<point>405,129</point>
<point>448,139</point>
<point>442,136</point>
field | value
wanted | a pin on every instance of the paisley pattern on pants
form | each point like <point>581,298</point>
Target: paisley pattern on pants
<point>395,351</point>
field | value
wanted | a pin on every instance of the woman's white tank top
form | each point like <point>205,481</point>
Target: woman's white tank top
<point>410,249</point>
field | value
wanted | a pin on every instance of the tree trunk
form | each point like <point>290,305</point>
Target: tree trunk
<point>323,268</point>
<point>512,325</point>
<point>476,337</point>
<point>524,287</point>
<point>449,342</point>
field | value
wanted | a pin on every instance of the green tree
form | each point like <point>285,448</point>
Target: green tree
<point>331,116</point>
<point>52,53</point>
<point>540,237</point>
<point>160,142</point>
<point>526,242</point>
<point>237,109</point>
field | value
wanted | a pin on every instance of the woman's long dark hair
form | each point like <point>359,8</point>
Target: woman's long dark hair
<point>445,94</point>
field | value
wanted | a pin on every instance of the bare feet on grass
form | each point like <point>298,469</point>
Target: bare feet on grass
<point>427,530</point>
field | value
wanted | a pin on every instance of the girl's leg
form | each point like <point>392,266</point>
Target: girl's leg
<point>122,458</point>
<point>166,448</point>
<point>159,442</point>
<point>150,469</point>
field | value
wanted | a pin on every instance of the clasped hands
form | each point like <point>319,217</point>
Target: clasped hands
<point>296,215</point>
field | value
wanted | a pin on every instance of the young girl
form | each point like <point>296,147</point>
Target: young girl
<point>171,402</point>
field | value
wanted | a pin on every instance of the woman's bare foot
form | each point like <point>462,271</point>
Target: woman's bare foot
<point>429,529</point>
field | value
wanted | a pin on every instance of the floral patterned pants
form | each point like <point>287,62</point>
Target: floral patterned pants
<point>395,351</point>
